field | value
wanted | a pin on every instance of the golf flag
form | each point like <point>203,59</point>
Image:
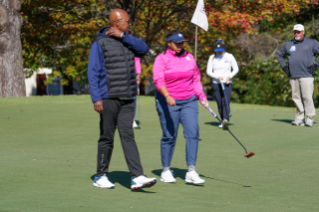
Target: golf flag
<point>199,17</point>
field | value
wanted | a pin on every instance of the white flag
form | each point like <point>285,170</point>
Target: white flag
<point>199,17</point>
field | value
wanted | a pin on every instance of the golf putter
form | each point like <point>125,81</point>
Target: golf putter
<point>248,154</point>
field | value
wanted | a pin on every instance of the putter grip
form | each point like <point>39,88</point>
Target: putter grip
<point>210,110</point>
<point>223,86</point>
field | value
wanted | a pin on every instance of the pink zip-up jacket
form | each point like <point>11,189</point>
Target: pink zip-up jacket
<point>137,65</point>
<point>180,75</point>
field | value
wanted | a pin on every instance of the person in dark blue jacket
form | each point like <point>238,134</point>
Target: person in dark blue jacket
<point>111,75</point>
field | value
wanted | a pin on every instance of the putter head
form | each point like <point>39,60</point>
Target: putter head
<point>249,154</point>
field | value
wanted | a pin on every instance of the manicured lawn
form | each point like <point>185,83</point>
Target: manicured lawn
<point>48,148</point>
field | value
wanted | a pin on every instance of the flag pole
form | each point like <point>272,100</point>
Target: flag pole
<point>196,30</point>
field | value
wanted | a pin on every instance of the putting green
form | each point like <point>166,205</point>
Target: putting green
<point>48,148</point>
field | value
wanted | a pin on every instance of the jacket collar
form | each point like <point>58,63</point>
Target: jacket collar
<point>173,53</point>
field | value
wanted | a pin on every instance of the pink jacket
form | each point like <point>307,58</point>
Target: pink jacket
<point>180,75</point>
<point>137,65</point>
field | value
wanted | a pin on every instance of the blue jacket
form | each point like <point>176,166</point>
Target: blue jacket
<point>97,73</point>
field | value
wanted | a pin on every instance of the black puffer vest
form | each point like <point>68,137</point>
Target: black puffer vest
<point>120,67</point>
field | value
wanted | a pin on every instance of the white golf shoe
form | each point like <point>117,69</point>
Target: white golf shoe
<point>309,122</point>
<point>103,182</point>
<point>142,182</point>
<point>298,122</point>
<point>135,126</point>
<point>225,124</point>
<point>193,177</point>
<point>168,177</point>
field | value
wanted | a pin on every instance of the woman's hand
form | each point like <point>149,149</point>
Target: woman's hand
<point>227,80</point>
<point>220,79</point>
<point>204,102</point>
<point>170,101</point>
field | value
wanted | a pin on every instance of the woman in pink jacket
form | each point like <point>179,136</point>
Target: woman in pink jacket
<point>177,80</point>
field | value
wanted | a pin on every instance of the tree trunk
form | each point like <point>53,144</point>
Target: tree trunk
<point>12,82</point>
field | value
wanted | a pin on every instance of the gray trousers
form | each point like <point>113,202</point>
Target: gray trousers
<point>302,91</point>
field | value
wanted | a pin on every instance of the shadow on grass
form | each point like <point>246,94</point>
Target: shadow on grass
<point>216,123</point>
<point>122,178</point>
<point>288,121</point>
<point>246,186</point>
<point>180,173</point>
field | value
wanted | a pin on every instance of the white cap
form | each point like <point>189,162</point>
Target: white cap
<point>299,27</point>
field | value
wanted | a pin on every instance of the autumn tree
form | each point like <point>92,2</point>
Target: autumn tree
<point>58,33</point>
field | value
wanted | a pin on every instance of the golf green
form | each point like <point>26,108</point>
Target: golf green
<point>48,148</point>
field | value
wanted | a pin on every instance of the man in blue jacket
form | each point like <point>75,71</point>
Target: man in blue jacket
<point>111,75</point>
<point>301,53</point>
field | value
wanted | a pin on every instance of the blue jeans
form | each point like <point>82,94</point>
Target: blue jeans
<point>186,113</point>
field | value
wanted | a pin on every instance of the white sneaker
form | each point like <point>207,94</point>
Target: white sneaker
<point>103,182</point>
<point>225,123</point>
<point>221,126</point>
<point>167,177</point>
<point>135,126</point>
<point>193,177</point>
<point>298,122</point>
<point>142,182</point>
<point>309,122</point>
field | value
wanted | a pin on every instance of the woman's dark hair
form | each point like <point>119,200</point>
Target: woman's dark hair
<point>170,33</point>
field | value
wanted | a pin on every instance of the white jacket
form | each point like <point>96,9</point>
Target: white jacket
<point>221,67</point>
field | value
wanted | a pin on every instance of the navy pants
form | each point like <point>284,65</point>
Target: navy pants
<point>186,113</point>
<point>223,108</point>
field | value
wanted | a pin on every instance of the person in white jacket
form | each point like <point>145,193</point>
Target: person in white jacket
<point>222,67</point>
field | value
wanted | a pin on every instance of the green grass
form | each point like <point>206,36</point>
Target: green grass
<point>48,148</point>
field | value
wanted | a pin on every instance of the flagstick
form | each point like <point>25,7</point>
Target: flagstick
<point>196,30</point>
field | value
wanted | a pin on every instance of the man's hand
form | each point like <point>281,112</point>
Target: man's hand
<point>114,32</point>
<point>286,70</point>
<point>138,78</point>
<point>313,68</point>
<point>170,101</point>
<point>98,106</point>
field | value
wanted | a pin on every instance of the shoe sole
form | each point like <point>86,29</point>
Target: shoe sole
<point>307,125</point>
<point>97,185</point>
<point>298,125</point>
<point>147,184</point>
<point>191,182</point>
<point>168,181</point>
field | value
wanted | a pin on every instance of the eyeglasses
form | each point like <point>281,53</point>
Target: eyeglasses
<point>297,32</point>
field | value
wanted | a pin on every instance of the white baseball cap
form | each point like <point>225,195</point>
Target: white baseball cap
<point>299,27</point>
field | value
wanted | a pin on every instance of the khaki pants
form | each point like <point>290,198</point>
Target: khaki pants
<point>302,91</point>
